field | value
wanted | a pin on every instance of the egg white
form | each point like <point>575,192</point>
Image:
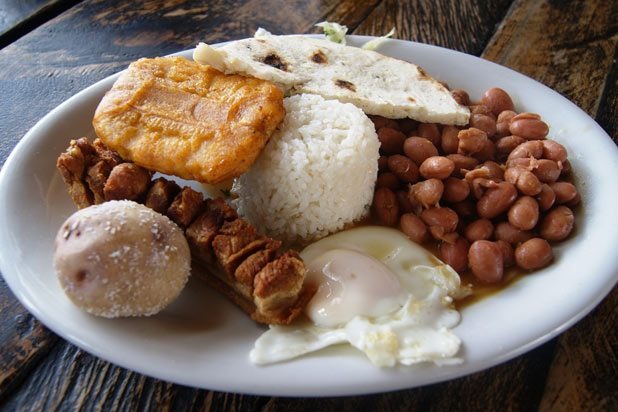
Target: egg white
<point>417,329</point>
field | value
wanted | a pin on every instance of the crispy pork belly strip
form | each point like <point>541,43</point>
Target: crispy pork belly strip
<point>126,181</point>
<point>160,195</point>
<point>251,269</point>
<point>85,168</point>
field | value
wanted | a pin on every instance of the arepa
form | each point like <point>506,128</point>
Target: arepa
<point>377,84</point>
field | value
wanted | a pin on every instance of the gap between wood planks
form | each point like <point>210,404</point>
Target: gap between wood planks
<point>38,18</point>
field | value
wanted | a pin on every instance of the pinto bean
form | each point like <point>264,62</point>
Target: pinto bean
<point>524,213</point>
<point>440,216</point>
<point>488,152</point>
<point>461,96</point>
<point>485,123</point>
<point>508,254</point>
<point>565,192</point>
<point>529,126</point>
<point>441,234</point>
<point>386,206</point>
<point>533,254</point>
<point>496,200</point>
<point>455,254</point>
<point>557,224</point>
<point>546,197</point>
<point>566,168</point>
<point>405,206</point>
<point>429,131</point>
<point>478,172</point>
<point>471,140</point>
<point>503,122</point>
<point>413,227</point>
<point>466,209</point>
<point>462,162</point>
<point>389,180</point>
<point>438,167</point>
<point>380,122</point>
<point>455,190</point>
<point>497,100</point>
<point>575,201</point>
<point>418,149</point>
<point>428,192</point>
<point>532,148</point>
<point>480,109</point>
<point>479,185</point>
<point>553,150</point>
<point>495,170</point>
<point>407,125</point>
<point>507,144</point>
<point>486,261</point>
<point>404,168</point>
<point>526,163</point>
<point>524,180</point>
<point>391,140</point>
<point>511,174</point>
<point>505,231</point>
<point>449,141</point>
<point>481,229</point>
<point>546,170</point>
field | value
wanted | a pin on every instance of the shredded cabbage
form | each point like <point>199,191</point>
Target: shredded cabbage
<point>375,43</point>
<point>334,32</point>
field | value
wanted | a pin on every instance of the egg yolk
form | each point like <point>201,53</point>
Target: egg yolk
<point>351,284</point>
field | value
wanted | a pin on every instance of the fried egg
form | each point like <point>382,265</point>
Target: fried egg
<point>378,291</point>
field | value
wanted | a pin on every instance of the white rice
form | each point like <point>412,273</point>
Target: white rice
<point>317,173</point>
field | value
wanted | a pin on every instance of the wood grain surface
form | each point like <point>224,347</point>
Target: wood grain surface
<point>570,46</point>
<point>18,17</point>
<point>13,12</point>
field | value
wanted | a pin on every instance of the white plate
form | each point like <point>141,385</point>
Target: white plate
<point>204,341</point>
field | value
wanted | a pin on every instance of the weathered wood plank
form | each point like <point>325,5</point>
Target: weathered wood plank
<point>71,379</point>
<point>568,45</point>
<point>18,17</point>
<point>608,107</point>
<point>460,25</point>
<point>23,340</point>
<point>583,374</point>
<point>348,13</point>
<point>12,12</point>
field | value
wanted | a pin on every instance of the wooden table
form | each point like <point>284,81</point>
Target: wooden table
<point>55,48</point>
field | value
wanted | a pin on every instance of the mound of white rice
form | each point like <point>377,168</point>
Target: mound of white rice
<point>317,173</point>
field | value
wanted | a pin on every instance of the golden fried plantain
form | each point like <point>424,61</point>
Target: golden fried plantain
<point>183,118</point>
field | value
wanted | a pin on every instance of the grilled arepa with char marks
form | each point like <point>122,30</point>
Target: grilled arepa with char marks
<point>183,118</point>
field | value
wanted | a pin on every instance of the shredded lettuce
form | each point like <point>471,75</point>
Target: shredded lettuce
<point>375,43</point>
<point>334,32</point>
